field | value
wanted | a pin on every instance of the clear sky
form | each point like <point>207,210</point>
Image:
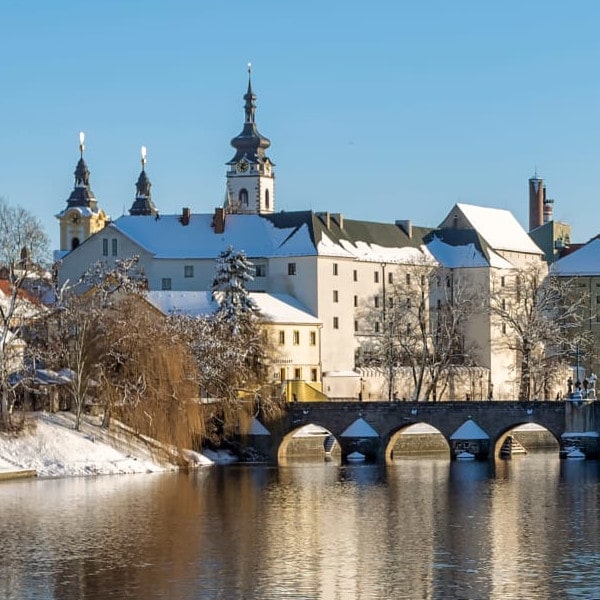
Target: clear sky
<point>380,110</point>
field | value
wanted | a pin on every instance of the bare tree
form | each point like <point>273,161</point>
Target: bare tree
<point>419,324</point>
<point>542,320</point>
<point>23,248</point>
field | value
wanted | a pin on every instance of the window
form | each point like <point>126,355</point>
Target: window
<point>114,247</point>
<point>260,270</point>
<point>408,303</point>
<point>104,246</point>
<point>74,243</point>
<point>422,279</point>
<point>312,338</point>
<point>335,268</point>
<point>408,279</point>
<point>355,325</point>
<point>296,338</point>
<point>291,268</point>
<point>336,322</point>
<point>376,301</point>
<point>390,278</point>
<point>503,304</point>
<point>297,373</point>
<point>377,327</point>
<point>243,197</point>
<point>166,283</point>
<point>267,199</point>
<point>376,276</point>
<point>336,296</point>
<point>448,281</point>
<point>439,304</point>
<point>188,271</point>
<point>503,327</point>
<point>281,338</point>
<point>313,375</point>
<point>355,275</point>
<point>355,301</point>
<point>502,281</point>
<point>391,302</point>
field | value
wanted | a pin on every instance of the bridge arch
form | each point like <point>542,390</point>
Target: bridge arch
<point>527,430</point>
<point>309,441</point>
<point>417,438</point>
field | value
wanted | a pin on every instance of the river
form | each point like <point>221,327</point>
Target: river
<point>423,528</point>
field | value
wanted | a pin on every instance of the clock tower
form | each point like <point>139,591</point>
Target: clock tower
<point>81,218</point>
<point>250,178</point>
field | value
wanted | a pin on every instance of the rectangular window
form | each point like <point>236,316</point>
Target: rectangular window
<point>376,327</point>
<point>336,322</point>
<point>281,338</point>
<point>105,247</point>
<point>165,283</point>
<point>355,275</point>
<point>355,326</point>
<point>408,279</point>
<point>291,268</point>
<point>260,270</point>
<point>335,268</point>
<point>376,301</point>
<point>297,373</point>
<point>114,246</point>
<point>336,296</point>
<point>376,276</point>
<point>408,303</point>
<point>296,338</point>
<point>391,302</point>
<point>502,281</point>
<point>390,278</point>
<point>503,327</point>
<point>422,279</point>
<point>188,270</point>
<point>355,301</point>
<point>313,375</point>
<point>312,338</point>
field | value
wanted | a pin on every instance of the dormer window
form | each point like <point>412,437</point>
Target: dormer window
<point>74,243</point>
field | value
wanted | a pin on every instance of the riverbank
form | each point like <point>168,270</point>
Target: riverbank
<point>51,447</point>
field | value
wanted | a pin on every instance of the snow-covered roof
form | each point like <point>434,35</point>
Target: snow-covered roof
<point>275,308</point>
<point>464,256</point>
<point>499,228</point>
<point>167,237</point>
<point>583,261</point>
<point>469,430</point>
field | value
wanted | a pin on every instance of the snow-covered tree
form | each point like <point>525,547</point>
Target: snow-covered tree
<point>233,272</point>
<point>23,247</point>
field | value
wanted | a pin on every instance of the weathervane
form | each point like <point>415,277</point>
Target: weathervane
<point>81,140</point>
<point>249,68</point>
<point>144,158</point>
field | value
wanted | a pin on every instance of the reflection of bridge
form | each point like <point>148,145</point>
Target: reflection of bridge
<point>388,419</point>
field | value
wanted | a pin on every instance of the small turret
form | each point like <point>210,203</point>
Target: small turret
<point>143,204</point>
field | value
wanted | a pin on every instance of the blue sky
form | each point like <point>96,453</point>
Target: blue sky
<point>380,110</point>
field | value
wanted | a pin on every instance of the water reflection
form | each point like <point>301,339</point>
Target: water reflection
<point>416,529</point>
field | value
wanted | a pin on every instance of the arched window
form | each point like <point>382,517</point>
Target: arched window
<point>267,199</point>
<point>74,243</point>
<point>243,197</point>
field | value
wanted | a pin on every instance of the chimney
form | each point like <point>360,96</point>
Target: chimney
<point>406,226</point>
<point>339,219</point>
<point>326,218</point>
<point>219,220</point>
<point>548,210</point>
<point>186,213</point>
<point>537,193</point>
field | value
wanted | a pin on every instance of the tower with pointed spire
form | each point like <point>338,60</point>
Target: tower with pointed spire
<point>81,218</point>
<point>250,178</point>
<point>143,204</point>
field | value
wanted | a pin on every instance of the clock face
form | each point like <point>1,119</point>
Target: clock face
<point>242,166</point>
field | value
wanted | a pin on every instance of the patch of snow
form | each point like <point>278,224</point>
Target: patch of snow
<point>469,430</point>
<point>360,428</point>
<point>220,457</point>
<point>584,261</point>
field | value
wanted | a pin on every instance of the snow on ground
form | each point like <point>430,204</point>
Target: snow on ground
<point>53,447</point>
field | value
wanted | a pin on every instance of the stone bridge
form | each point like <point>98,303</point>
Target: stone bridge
<point>386,420</point>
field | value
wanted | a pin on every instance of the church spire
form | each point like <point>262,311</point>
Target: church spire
<point>82,194</point>
<point>143,204</point>
<point>250,145</point>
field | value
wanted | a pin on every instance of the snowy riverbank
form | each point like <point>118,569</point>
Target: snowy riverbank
<point>53,448</point>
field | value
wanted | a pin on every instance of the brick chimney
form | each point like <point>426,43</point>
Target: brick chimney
<point>219,220</point>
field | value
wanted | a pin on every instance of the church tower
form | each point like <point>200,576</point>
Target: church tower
<point>81,218</point>
<point>250,178</point>
<point>143,204</point>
